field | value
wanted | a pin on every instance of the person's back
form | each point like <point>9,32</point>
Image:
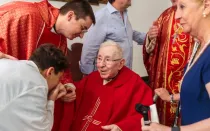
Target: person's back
<point>20,80</point>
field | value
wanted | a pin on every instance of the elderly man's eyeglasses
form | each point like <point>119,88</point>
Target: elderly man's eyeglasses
<point>107,61</point>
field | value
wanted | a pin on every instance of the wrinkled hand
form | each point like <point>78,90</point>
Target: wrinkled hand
<point>154,127</point>
<point>58,92</point>
<point>112,127</point>
<point>152,35</point>
<point>2,55</point>
<point>153,32</point>
<point>71,94</point>
<point>150,46</point>
<point>163,94</point>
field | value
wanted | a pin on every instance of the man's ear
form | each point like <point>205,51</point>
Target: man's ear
<point>48,72</point>
<point>122,63</point>
<point>70,15</point>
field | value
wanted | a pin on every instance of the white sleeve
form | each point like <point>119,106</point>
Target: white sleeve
<point>50,112</point>
<point>30,111</point>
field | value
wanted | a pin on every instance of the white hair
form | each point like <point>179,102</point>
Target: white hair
<point>119,51</point>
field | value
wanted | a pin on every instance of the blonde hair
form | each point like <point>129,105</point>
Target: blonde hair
<point>118,52</point>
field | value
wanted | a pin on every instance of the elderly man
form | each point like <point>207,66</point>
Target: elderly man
<point>29,89</point>
<point>106,98</point>
<point>112,23</point>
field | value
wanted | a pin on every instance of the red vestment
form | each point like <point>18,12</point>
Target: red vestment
<point>114,103</point>
<point>165,65</point>
<point>26,25</point>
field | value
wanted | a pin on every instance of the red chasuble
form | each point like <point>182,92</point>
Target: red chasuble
<point>165,65</point>
<point>114,103</point>
<point>26,25</point>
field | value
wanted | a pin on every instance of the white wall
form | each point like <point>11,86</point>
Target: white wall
<point>141,14</point>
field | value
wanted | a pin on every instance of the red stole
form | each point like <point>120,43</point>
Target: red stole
<point>165,65</point>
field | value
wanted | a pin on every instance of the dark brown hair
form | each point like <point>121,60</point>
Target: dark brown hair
<point>111,1</point>
<point>48,55</point>
<point>81,8</point>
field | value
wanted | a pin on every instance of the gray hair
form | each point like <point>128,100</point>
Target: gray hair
<point>118,52</point>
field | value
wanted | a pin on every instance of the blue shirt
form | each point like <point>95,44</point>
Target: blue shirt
<point>109,26</point>
<point>195,101</point>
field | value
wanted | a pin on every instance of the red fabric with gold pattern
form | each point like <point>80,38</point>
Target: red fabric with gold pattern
<point>26,25</point>
<point>165,65</point>
<point>22,25</point>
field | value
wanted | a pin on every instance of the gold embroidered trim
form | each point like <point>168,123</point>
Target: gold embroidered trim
<point>90,118</point>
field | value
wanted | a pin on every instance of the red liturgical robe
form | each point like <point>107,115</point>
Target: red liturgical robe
<point>26,25</point>
<point>165,65</point>
<point>114,103</point>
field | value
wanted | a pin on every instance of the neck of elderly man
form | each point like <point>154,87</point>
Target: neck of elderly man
<point>105,81</point>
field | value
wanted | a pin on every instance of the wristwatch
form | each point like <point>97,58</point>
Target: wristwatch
<point>175,128</point>
<point>172,98</point>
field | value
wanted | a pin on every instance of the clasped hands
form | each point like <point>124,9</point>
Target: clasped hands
<point>65,92</point>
